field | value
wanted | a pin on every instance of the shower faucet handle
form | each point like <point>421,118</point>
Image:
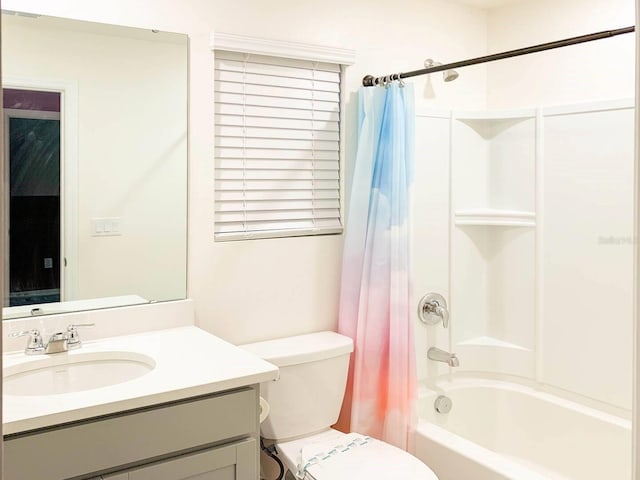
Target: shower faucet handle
<point>444,313</point>
<point>432,309</point>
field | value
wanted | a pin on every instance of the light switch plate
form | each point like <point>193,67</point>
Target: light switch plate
<point>106,227</point>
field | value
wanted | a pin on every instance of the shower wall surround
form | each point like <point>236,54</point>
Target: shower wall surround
<point>587,248</point>
<point>493,238</point>
<point>541,229</point>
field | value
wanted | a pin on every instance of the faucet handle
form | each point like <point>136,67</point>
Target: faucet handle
<point>73,339</point>
<point>35,344</point>
<point>444,313</point>
<point>23,333</point>
<point>432,310</point>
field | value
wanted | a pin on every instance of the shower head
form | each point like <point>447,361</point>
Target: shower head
<point>448,75</point>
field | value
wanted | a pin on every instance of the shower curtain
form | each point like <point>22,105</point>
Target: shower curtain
<point>375,303</point>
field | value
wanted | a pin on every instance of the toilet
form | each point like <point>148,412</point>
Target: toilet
<point>306,400</point>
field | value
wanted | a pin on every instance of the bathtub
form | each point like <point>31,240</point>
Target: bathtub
<point>500,430</point>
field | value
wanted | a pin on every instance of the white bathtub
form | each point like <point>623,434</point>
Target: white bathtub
<point>500,430</point>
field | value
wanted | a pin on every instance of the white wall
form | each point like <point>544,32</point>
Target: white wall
<point>587,255</point>
<point>550,302</point>
<point>636,287</point>
<point>584,197</point>
<point>246,291</point>
<point>591,71</point>
<point>587,187</point>
<point>430,226</point>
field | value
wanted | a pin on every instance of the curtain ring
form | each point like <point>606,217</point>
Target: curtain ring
<point>400,81</point>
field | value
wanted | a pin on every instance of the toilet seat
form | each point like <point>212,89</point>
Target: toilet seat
<point>333,455</point>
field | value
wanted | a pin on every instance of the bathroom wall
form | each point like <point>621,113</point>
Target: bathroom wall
<point>528,275</point>
<point>584,231</point>
<point>591,71</point>
<point>430,225</point>
<point>586,247</point>
<point>636,337</point>
<point>587,234</point>
<point>560,353</point>
<point>253,290</point>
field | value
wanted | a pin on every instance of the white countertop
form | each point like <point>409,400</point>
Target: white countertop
<point>189,362</point>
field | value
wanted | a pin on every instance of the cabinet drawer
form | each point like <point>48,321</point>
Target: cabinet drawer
<point>130,437</point>
<point>232,462</point>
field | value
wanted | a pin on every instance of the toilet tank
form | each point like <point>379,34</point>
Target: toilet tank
<point>307,396</point>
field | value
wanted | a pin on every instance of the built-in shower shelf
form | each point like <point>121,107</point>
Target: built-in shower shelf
<point>493,217</point>
<point>488,125</point>
<point>491,342</point>
<point>498,115</point>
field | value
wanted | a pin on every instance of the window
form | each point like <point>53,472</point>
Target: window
<point>277,146</point>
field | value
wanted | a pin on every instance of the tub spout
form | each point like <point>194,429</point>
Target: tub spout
<point>439,355</point>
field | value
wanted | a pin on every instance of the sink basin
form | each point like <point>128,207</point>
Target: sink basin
<point>66,373</point>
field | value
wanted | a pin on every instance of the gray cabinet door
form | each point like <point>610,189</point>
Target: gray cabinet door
<point>132,437</point>
<point>232,462</point>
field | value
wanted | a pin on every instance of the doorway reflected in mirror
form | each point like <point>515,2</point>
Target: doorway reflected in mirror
<point>34,243</point>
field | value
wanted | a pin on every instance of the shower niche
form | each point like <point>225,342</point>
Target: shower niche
<point>493,239</point>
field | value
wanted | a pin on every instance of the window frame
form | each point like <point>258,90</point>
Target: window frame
<point>289,51</point>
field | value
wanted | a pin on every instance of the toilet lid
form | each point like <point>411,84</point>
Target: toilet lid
<point>354,456</point>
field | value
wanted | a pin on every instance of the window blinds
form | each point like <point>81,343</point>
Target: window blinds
<point>277,134</point>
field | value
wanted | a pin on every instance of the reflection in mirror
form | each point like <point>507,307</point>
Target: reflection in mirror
<point>96,152</point>
<point>32,135</point>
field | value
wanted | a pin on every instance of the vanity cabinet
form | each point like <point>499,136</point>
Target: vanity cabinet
<point>231,462</point>
<point>210,437</point>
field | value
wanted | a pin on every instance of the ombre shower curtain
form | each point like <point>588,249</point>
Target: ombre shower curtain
<point>375,297</point>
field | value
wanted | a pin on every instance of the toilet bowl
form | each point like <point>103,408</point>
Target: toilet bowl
<point>305,401</point>
<point>340,456</point>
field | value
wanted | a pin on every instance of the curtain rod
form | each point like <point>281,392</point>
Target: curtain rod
<point>371,81</point>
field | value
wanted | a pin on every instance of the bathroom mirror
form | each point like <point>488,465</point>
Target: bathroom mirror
<point>95,122</point>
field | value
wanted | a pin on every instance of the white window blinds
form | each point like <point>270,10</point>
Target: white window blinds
<point>277,153</point>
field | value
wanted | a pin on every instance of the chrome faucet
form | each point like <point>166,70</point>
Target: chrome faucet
<point>58,342</point>
<point>438,355</point>
<point>432,309</point>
